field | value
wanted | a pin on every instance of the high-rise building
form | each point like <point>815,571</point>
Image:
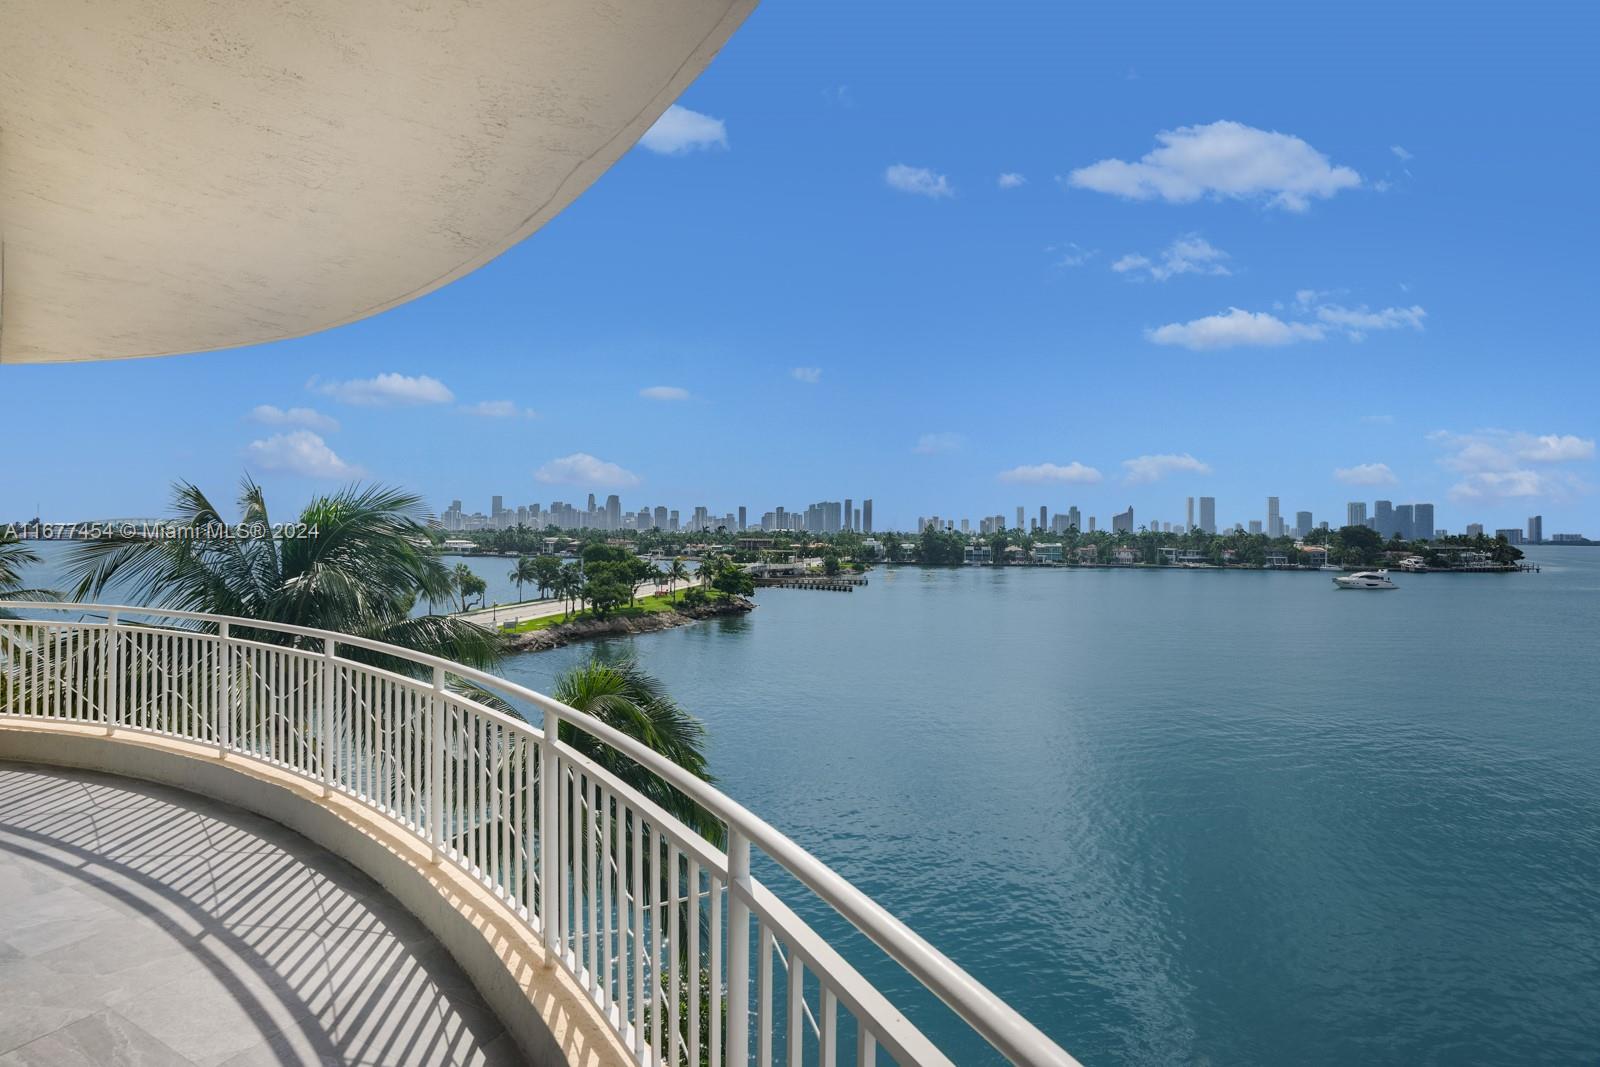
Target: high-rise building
<point>1302,523</point>
<point>1383,518</point>
<point>672,520</point>
<point>1091,524</point>
<point>849,511</point>
<point>1403,521</point>
<point>1255,526</point>
<point>1274,521</point>
<point>866,515</point>
<point>1074,518</point>
<point>1188,522</point>
<point>1422,522</point>
<point>1355,513</point>
<point>660,518</point>
<point>1044,517</point>
<point>1474,529</point>
<point>1123,521</point>
<point>1512,535</point>
<point>613,512</point>
<point>1535,529</point>
<point>1021,523</point>
<point>1208,514</point>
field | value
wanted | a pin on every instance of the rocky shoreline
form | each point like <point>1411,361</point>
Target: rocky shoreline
<point>618,626</point>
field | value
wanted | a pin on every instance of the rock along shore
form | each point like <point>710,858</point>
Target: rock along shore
<point>587,629</point>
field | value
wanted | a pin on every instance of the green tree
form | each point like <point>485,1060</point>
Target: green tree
<point>546,569</point>
<point>830,564</point>
<point>468,584</point>
<point>15,555</point>
<point>524,573</point>
<point>359,569</point>
<point>676,572</point>
<point>730,579</point>
<point>569,586</point>
<point>607,585</point>
<point>629,700</point>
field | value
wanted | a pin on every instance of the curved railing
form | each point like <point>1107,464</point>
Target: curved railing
<point>655,922</point>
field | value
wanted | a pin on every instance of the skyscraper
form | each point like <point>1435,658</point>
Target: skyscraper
<point>1355,513</point>
<point>1022,523</point>
<point>661,518</point>
<point>1208,514</point>
<point>849,512</point>
<point>1403,521</point>
<point>1123,521</point>
<point>866,515</point>
<point>742,523</point>
<point>1302,523</point>
<point>1075,518</point>
<point>613,512</point>
<point>1188,522</point>
<point>1044,518</point>
<point>1274,522</point>
<point>1535,529</point>
<point>1422,521</point>
<point>1383,518</point>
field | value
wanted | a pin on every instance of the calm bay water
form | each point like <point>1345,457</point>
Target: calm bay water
<point>1191,817</point>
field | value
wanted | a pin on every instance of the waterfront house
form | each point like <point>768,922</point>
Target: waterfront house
<point>1088,553</point>
<point>977,554</point>
<point>1124,556</point>
<point>1047,553</point>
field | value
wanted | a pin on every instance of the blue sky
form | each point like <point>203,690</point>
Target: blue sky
<point>1325,253</point>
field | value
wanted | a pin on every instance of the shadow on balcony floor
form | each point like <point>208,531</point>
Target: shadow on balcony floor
<point>140,924</point>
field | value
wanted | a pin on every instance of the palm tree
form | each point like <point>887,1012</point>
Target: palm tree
<point>569,584</point>
<point>467,584</point>
<point>676,573</point>
<point>524,573</point>
<point>14,556</point>
<point>626,698</point>
<point>359,569</point>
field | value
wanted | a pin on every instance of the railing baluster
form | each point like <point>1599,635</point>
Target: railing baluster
<point>738,1051</point>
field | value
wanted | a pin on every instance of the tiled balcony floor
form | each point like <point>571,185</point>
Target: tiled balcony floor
<point>139,924</point>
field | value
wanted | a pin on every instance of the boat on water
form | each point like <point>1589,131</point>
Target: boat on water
<point>1365,580</point>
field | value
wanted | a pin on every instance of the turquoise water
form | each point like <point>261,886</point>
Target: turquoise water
<point>1191,817</point>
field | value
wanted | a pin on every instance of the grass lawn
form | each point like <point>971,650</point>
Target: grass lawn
<point>649,605</point>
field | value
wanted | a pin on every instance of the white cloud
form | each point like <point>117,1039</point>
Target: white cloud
<point>1222,160</point>
<point>1189,254</point>
<point>918,180</point>
<point>809,375</point>
<point>582,469</point>
<point>299,452</point>
<point>680,131</point>
<point>1400,152</point>
<point>664,392</point>
<point>932,444</point>
<point>1044,473</point>
<point>1011,180</point>
<point>1507,464</point>
<point>1366,474</point>
<point>498,409</point>
<point>1356,322</point>
<point>311,419</point>
<point>1072,254</point>
<point>1234,327</point>
<point>1143,469</point>
<point>386,390</point>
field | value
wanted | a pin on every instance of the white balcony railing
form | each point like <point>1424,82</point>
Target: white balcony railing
<point>654,921</point>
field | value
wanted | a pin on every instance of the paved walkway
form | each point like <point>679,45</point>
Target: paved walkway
<point>144,925</point>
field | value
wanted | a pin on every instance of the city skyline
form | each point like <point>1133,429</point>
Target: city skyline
<point>1410,520</point>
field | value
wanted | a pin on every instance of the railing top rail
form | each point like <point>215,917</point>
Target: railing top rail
<point>991,1017</point>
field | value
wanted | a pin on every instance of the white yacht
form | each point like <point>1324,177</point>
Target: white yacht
<point>1365,580</point>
